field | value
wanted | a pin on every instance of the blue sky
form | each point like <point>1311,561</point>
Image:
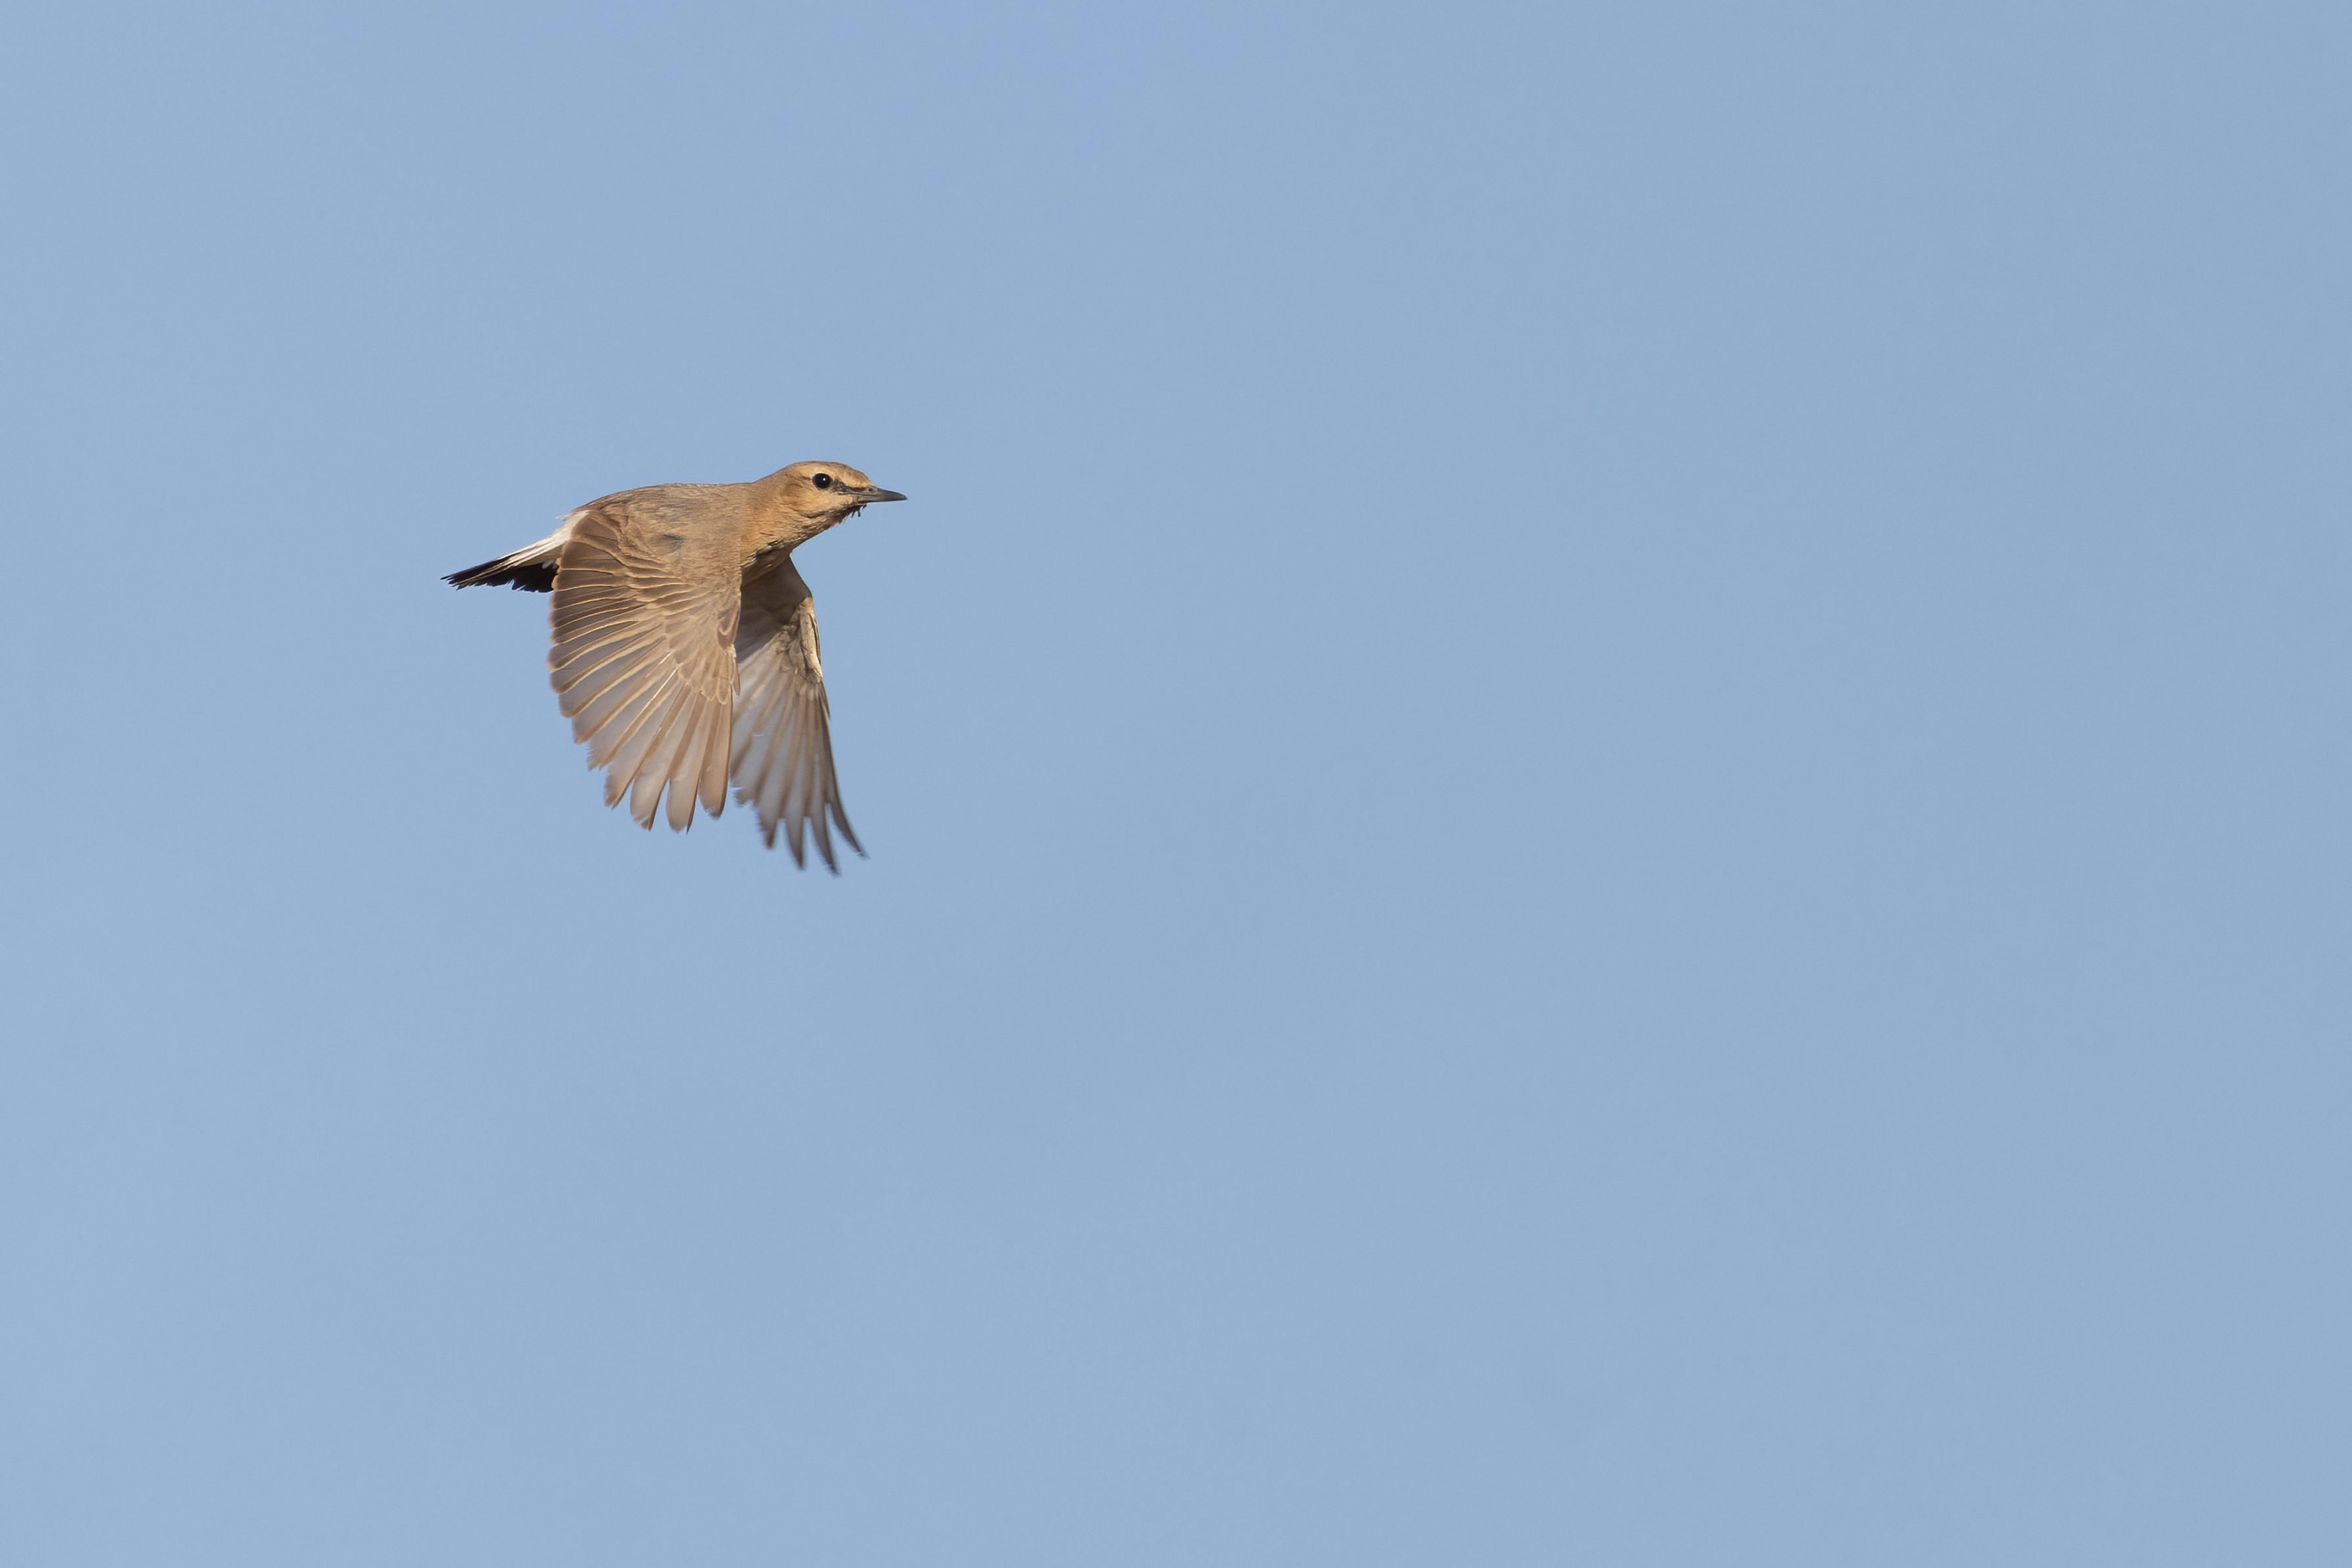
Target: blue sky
<point>1605,759</point>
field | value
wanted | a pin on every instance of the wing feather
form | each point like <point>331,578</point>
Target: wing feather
<point>642,657</point>
<point>781,750</point>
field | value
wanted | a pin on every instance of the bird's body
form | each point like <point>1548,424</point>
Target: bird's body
<point>685,646</point>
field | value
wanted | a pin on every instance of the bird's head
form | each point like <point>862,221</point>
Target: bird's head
<point>829,491</point>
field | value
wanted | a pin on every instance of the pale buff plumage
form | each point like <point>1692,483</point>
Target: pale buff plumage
<point>685,647</point>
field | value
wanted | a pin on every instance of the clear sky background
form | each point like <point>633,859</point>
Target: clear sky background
<point>1606,764</point>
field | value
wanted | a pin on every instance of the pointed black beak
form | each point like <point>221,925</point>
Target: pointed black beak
<point>870,495</point>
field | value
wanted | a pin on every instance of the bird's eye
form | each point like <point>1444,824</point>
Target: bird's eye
<point>823,481</point>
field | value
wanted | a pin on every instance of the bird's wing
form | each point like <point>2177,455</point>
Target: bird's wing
<point>643,659</point>
<point>783,759</point>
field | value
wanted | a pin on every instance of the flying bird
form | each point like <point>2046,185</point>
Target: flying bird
<point>684,645</point>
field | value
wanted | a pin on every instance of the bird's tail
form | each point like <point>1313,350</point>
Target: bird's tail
<point>530,569</point>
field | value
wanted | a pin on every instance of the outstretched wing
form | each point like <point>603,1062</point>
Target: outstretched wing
<point>782,756</point>
<point>644,660</point>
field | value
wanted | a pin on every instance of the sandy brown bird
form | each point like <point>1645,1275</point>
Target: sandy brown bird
<point>684,648</point>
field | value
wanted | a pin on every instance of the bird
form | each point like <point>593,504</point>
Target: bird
<point>683,646</point>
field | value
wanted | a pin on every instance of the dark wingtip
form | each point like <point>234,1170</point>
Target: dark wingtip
<point>841,821</point>
<point>799,846</point>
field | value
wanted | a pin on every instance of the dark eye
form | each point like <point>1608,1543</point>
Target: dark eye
<point>823,481</point>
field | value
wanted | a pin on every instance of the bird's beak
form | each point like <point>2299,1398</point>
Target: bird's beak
<point>871,494</point>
